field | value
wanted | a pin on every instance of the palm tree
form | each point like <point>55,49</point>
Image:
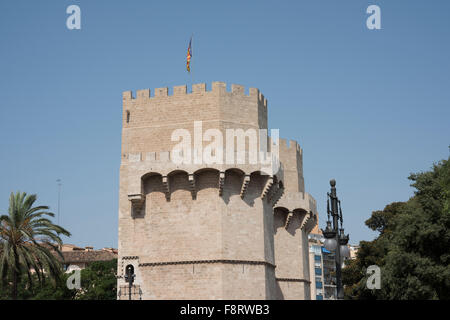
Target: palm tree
<point>28,242</point>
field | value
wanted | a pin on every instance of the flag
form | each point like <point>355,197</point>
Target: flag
<point>188,58</point>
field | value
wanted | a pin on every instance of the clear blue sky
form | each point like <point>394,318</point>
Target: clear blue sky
<point>368,107</point>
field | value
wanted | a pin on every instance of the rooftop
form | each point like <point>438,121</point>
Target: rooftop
<point>73,254</point>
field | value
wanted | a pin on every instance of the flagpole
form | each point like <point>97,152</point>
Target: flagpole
<point>192,55</point>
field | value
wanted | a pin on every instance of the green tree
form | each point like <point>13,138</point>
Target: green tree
<point>371,253</point>
<point>46,290</point>
<point>412,248</point>
<point>99,281</point>
<point>27,239</point>
<point>418,261</point>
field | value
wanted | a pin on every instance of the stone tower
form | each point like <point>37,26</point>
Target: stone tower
<point>208,231</point>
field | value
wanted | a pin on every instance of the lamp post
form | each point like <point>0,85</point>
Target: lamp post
<point>129,277</point>
<point>335,239</point>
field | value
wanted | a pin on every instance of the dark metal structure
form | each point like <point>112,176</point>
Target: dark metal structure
<point>129,277</point>
<point>335,239</point>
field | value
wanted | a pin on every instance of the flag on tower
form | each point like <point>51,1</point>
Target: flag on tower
<point>189,55</point>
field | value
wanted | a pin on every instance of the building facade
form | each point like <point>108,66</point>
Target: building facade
<point>221,230</point>
<point>323,267</point>
<point>77,258</point>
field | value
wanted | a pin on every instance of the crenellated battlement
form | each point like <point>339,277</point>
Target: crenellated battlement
<point>196,89</point>
<point>291,155</point>
<point>286,146</point>
<point>289,146</point>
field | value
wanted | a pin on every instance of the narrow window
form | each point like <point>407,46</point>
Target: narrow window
<point>128,116</point>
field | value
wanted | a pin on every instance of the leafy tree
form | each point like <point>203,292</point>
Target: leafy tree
<point>46,290</point>
<point>27,239</point>
<point>418,262</point>
<point>382,221</point>
<point>99,281</point>
<point>412,248</point>
<point>54,291</point>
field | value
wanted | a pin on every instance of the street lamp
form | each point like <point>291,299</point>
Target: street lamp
<point>335,239</point>
<point>330,237</point>
<point>343,241</point>
<point>129,277</point>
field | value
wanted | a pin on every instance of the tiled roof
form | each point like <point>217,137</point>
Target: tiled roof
<point>87,256</point>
